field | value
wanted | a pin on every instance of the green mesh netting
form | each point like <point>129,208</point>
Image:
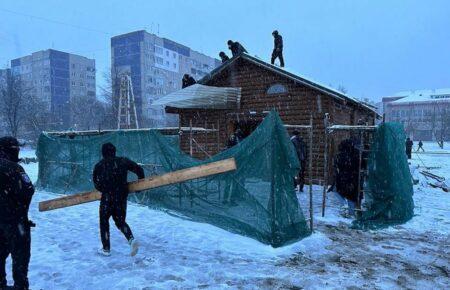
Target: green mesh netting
<point>389,188</point>
<point>257,200</point>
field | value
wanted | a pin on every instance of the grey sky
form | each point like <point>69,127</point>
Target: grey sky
<point>373,48</point>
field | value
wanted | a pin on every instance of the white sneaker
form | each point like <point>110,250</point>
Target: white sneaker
<point>103,252</point>
<point>134,247</point>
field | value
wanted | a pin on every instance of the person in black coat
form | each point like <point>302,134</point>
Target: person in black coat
<point>409,145</point>
<point>187,81</point>
<point>224,57</point>
<point>277,48</point>
<point>346,166</point>
<point>110,178</point>
<point>420,146</point>
<point>300,148</point>
<point>235,138</point>
<point>16,192</point>
<point>236,48</point>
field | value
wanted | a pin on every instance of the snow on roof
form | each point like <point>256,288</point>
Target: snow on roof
<point>292,75</point>
<point>423,96</point>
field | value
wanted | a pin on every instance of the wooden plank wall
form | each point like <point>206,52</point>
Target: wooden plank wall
<point>294,107</point>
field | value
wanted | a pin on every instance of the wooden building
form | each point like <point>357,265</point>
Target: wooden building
<point>258,88</point>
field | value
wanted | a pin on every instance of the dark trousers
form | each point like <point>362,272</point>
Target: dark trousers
<point>279,54</point>
<point>118,211</point>
<point>300,180</point>
<point>15,240</point>
<point>408,153</point>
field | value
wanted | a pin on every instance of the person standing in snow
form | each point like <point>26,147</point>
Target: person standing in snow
<point>224,57</point>
<point>409,145</point>
<point>16,192</point>
<point>187,81</point>
<point>300,148</point>
<point>110,178</point>
<point>236,48</point>
<point>346,167</point>
<point>420,146</point>
<point>277,48</point>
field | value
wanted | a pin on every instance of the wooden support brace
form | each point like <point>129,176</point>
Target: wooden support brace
<point>146,183</point>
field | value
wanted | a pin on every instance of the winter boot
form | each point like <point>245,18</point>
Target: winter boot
<point>134,247</point>
<point>104,252</point>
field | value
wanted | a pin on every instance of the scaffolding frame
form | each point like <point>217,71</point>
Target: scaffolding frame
<point>329,130</point>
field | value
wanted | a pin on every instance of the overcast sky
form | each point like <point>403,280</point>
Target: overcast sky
<point>373,48</point>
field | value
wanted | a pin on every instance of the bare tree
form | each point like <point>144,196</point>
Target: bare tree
<point>87,113</point>
<point>109,93</point>
<point>13,98</point>
<point>342,89</point>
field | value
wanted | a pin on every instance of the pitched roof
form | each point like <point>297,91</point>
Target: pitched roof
<point>289,74</point>
<point>436,95</point>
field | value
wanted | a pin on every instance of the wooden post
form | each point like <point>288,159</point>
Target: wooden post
<point>311,211</point>
<point>218,136</point>
<point>180,136</point>
<point>190,137</point>
<point>146,183</point>
<point>358,202</point>
<point>205,147</point>
<point>325,166</point>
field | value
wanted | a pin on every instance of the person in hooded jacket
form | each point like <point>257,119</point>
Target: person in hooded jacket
<point>277,48</point>
<point>187,81</point>
<point>16,192</point>
<point>110,178</point>
<point>346,165</point>
<point>224,57</point>
<point>236,48</point>
<point>300,148</point>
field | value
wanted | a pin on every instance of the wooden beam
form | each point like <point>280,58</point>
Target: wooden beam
<point>146,183</point>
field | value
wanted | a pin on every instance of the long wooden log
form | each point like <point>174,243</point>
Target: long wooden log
<point>146,183</point>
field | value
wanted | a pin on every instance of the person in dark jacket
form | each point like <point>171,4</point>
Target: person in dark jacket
<point>300,148</point>
<point>187,81</point>
<point>277,48</point>
<point>224,57</point>
<point>236,48</point>
<point>409,145</point>
<point>420,146</point>
<point>110,178</point>
<point>235,138</point>
<point>16,192</point>
<point>346,166</point>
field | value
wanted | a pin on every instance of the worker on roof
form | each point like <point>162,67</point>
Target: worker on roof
<point>236,48</point>
<point>277,48</point>
<point>187,81</point>
<point>300,148</point>
<point>16,192</point>
<point>110,178</point>
<point>224,57</point>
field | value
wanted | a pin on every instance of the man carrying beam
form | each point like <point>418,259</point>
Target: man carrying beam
<point>110,178</point>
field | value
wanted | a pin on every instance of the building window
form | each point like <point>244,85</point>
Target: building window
<point>276,89</point>
<point>167,63</point>
<point>159,60</point>
<point>175,65</point>
<point>174,55</point>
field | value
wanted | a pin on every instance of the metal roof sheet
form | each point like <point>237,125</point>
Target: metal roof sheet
<point>201,96</point>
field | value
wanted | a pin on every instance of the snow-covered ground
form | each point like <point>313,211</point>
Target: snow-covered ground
<point>176,253</point>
